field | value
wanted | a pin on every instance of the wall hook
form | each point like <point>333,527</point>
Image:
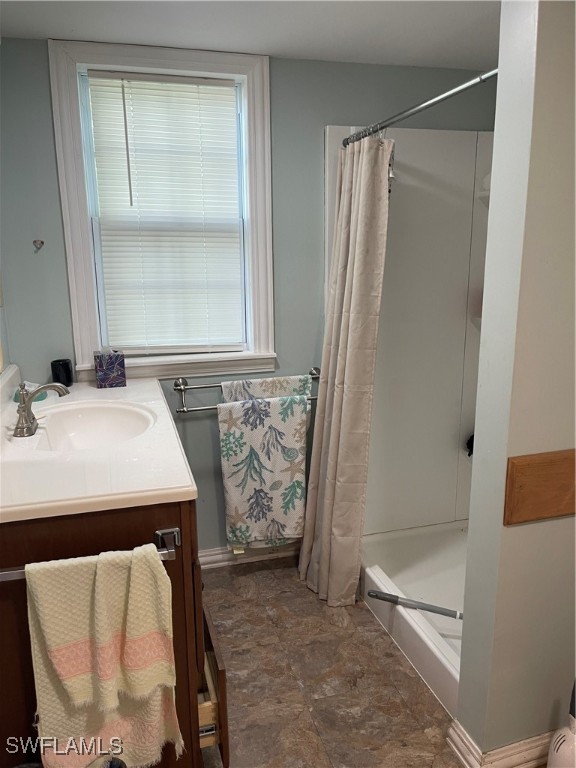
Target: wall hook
<point>38,244</point>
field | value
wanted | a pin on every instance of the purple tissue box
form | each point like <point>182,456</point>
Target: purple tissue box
<point>110,369</point>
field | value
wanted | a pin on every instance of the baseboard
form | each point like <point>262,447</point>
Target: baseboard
<point>222,556</point>
<point>530,753</point>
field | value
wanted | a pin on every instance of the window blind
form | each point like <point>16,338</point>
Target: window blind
<point>168,217</point>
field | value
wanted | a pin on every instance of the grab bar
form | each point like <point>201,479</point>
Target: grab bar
<point>165,539</point>
<point>405,602</point>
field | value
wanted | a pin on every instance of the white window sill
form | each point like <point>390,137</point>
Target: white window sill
<point>166,366</point>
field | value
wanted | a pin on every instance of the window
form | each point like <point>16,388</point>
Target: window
<point>164,162</point>
<point>163,159</point>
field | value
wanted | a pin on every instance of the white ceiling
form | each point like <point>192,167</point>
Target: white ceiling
<point>433,33</point>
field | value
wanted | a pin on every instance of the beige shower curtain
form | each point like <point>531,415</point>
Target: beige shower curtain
<point>330,555</point>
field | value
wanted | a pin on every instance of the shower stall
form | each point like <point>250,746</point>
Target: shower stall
<point>419,472</point>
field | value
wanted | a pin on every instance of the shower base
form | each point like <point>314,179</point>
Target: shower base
<point>425,564</point>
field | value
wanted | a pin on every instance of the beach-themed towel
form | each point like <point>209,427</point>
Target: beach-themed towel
<point>278,386</point>
<point>263,453</point>
<point>101,636</point>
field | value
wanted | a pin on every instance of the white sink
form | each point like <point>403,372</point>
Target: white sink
<point>89,424</point>
<point>94,449</point>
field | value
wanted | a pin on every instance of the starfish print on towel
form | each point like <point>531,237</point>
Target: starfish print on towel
<point>231,421</point>
<point>295,468</point>
<point>236,519</point>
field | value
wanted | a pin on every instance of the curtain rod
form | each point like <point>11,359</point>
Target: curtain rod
<point>377,127</point>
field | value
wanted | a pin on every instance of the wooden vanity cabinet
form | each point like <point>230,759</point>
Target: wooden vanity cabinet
<point>90,533</point>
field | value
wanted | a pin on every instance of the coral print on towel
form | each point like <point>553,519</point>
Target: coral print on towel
<point>263,452</point>
<point>83,656</point>
<point>278,386</point>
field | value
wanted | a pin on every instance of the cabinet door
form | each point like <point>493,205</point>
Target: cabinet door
<point>75,536</point>
<point>198,618</point>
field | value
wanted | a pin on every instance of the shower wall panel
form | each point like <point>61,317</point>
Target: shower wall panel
<point>425,383</point>
<point>474,318</point>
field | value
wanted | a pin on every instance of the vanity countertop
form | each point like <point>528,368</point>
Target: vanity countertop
<point>150,468</point>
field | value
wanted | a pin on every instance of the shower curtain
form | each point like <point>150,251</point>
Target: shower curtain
<point>330,554</point>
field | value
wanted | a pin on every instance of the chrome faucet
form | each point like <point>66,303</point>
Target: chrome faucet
<point>27,424</point>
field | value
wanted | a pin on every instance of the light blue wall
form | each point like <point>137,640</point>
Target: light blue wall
<point>37,308</point>
<point>4,339</point>
<point>518,662</point>
<point>305,97</point>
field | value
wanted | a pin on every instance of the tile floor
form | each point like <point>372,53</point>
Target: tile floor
<point>316,687</point>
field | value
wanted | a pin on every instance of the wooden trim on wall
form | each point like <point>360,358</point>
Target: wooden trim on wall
<point>539,486</point>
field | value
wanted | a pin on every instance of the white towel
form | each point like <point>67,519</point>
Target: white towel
<point>263,454</point>
<point>277,386</point>
<point>101,636</point>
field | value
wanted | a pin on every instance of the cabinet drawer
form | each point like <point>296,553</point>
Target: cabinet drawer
<point>212,703</point>
<point>208,704</point>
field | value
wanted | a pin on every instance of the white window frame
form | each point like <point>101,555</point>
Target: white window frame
<point>67,58</point>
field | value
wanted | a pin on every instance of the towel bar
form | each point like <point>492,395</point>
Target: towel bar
<point>212,407</point>
<point>181,385</point>
<point>166,541</point>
